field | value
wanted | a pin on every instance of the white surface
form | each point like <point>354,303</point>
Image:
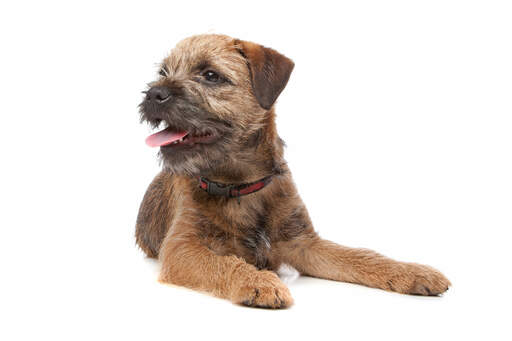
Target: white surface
<point>406,107</point>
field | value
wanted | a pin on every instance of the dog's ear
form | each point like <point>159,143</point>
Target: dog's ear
<point>270,71</point>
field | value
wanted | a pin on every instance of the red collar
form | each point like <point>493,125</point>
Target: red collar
<point>233,191</point>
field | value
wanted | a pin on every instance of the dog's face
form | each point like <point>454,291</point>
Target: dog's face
<point>212,95</point>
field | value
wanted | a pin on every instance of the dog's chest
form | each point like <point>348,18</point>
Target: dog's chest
<point>254,245</point>
<point>246,234</point>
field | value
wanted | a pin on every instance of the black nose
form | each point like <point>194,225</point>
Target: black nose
<point>158,94</point>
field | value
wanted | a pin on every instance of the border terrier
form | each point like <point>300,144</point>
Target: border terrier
<point>224,213</point>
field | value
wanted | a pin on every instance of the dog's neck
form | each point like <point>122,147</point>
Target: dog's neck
<point>261,157</point>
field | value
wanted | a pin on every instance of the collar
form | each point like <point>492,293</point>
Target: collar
<point>232,190</point>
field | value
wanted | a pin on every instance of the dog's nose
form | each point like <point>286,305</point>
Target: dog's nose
<point>158,94</point>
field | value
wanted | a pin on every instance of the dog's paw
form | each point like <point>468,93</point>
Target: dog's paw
<point>418,279</point>
<point>265,290</point>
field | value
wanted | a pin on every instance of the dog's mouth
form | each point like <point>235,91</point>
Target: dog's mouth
<point>172,137</point>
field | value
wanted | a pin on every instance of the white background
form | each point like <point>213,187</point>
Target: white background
<point>398,124</point>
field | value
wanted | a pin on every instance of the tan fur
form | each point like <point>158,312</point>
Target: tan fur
<point>231,248</point>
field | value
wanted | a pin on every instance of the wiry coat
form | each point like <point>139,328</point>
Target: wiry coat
<point>231,247</point>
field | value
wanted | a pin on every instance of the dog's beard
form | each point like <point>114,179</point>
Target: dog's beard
<point>193,142</point>
<point>200,160</point>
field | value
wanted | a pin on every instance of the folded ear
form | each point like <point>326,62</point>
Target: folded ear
<point>270,71</point>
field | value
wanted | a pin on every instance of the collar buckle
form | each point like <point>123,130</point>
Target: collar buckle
<point>214,188</point>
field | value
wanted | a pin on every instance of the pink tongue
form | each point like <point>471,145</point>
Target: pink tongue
<point>164,137</point>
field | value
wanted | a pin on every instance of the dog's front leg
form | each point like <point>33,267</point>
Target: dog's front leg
<point>325,259</point>
<point>189,263</point>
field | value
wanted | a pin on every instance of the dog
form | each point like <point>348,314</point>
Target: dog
<point>224,213</point>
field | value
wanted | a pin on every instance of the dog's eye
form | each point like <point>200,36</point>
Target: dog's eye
<point>211,76</point>
<point>163,72</point>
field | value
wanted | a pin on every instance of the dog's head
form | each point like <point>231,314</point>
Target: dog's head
<point>213,96</point>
